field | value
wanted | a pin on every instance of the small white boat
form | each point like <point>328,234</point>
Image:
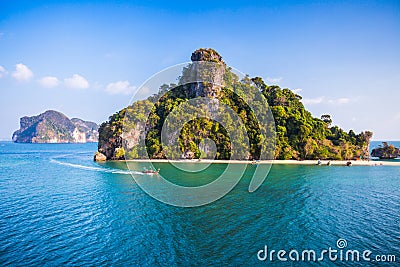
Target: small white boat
<point>151,171</point>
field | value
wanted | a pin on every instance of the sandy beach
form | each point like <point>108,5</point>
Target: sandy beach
<point>289,162</point>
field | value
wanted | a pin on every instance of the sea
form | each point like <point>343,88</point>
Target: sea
<point>58,207</point>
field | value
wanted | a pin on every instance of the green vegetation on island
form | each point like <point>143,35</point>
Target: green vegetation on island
<point>54,127</point>
<point>298,135</point>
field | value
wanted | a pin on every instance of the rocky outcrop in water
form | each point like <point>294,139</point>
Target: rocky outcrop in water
<point>54,127</point>
<point>99,157</point>
<point>386,152</point>
<point>292,132</point>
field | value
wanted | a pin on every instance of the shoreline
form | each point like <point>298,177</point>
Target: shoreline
<point>287,162</point>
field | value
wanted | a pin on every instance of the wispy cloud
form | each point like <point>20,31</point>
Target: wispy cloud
<point>120,87</point>
<point>22,73</point>
<point>323,100</point>
<point>313,101</point>
<point>343,100</point>
<point>3,71</point>
<point>76,82</point>
<point>49,81</point>
<point>143,91</point>
<point>297,90</point>
<point>97,86</point>
<point>270,80</point>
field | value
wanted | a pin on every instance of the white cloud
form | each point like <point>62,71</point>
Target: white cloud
<point>339,101</point>
<point>343,100</point>
<point>313,101</point>
<point>270,80</point>
<point>76,82</point>
<point>22,73</point>
<point>120,87</point>
<point>297,90</point>
<point>49,82</point>
<point>322,100</point>
<point>3,71</point>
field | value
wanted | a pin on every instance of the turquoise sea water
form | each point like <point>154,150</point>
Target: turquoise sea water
<point>58,207</point>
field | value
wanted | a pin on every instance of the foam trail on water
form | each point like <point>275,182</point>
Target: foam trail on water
<point>91,168</point>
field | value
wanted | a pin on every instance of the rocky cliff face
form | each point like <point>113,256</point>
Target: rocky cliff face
<point>207,66</point>
<point>87,130</point>
<point>110,140</point>
<point>203,54</point>
<point>54,127</point>
<point>207,63</point>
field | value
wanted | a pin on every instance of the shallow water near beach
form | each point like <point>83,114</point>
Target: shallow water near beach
<point>59,207</point>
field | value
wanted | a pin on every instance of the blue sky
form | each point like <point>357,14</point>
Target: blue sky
<point>86,58</point>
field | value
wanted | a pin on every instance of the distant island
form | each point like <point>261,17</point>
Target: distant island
<point>54,127</point>
<point>299,136</point>
<point>386,151</point>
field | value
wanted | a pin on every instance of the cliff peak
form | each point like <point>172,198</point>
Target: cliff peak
<point>206,54</point>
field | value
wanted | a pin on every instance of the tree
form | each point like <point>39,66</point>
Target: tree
<point>259,83</point>
<point>327,119</point>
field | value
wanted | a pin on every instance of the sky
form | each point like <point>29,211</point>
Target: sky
<point>87,58</point>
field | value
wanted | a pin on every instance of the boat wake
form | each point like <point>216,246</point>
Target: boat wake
<point>92,168</point>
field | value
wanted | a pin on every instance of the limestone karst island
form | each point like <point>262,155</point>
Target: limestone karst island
<point>299,135</point>
<point>54,127</point>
